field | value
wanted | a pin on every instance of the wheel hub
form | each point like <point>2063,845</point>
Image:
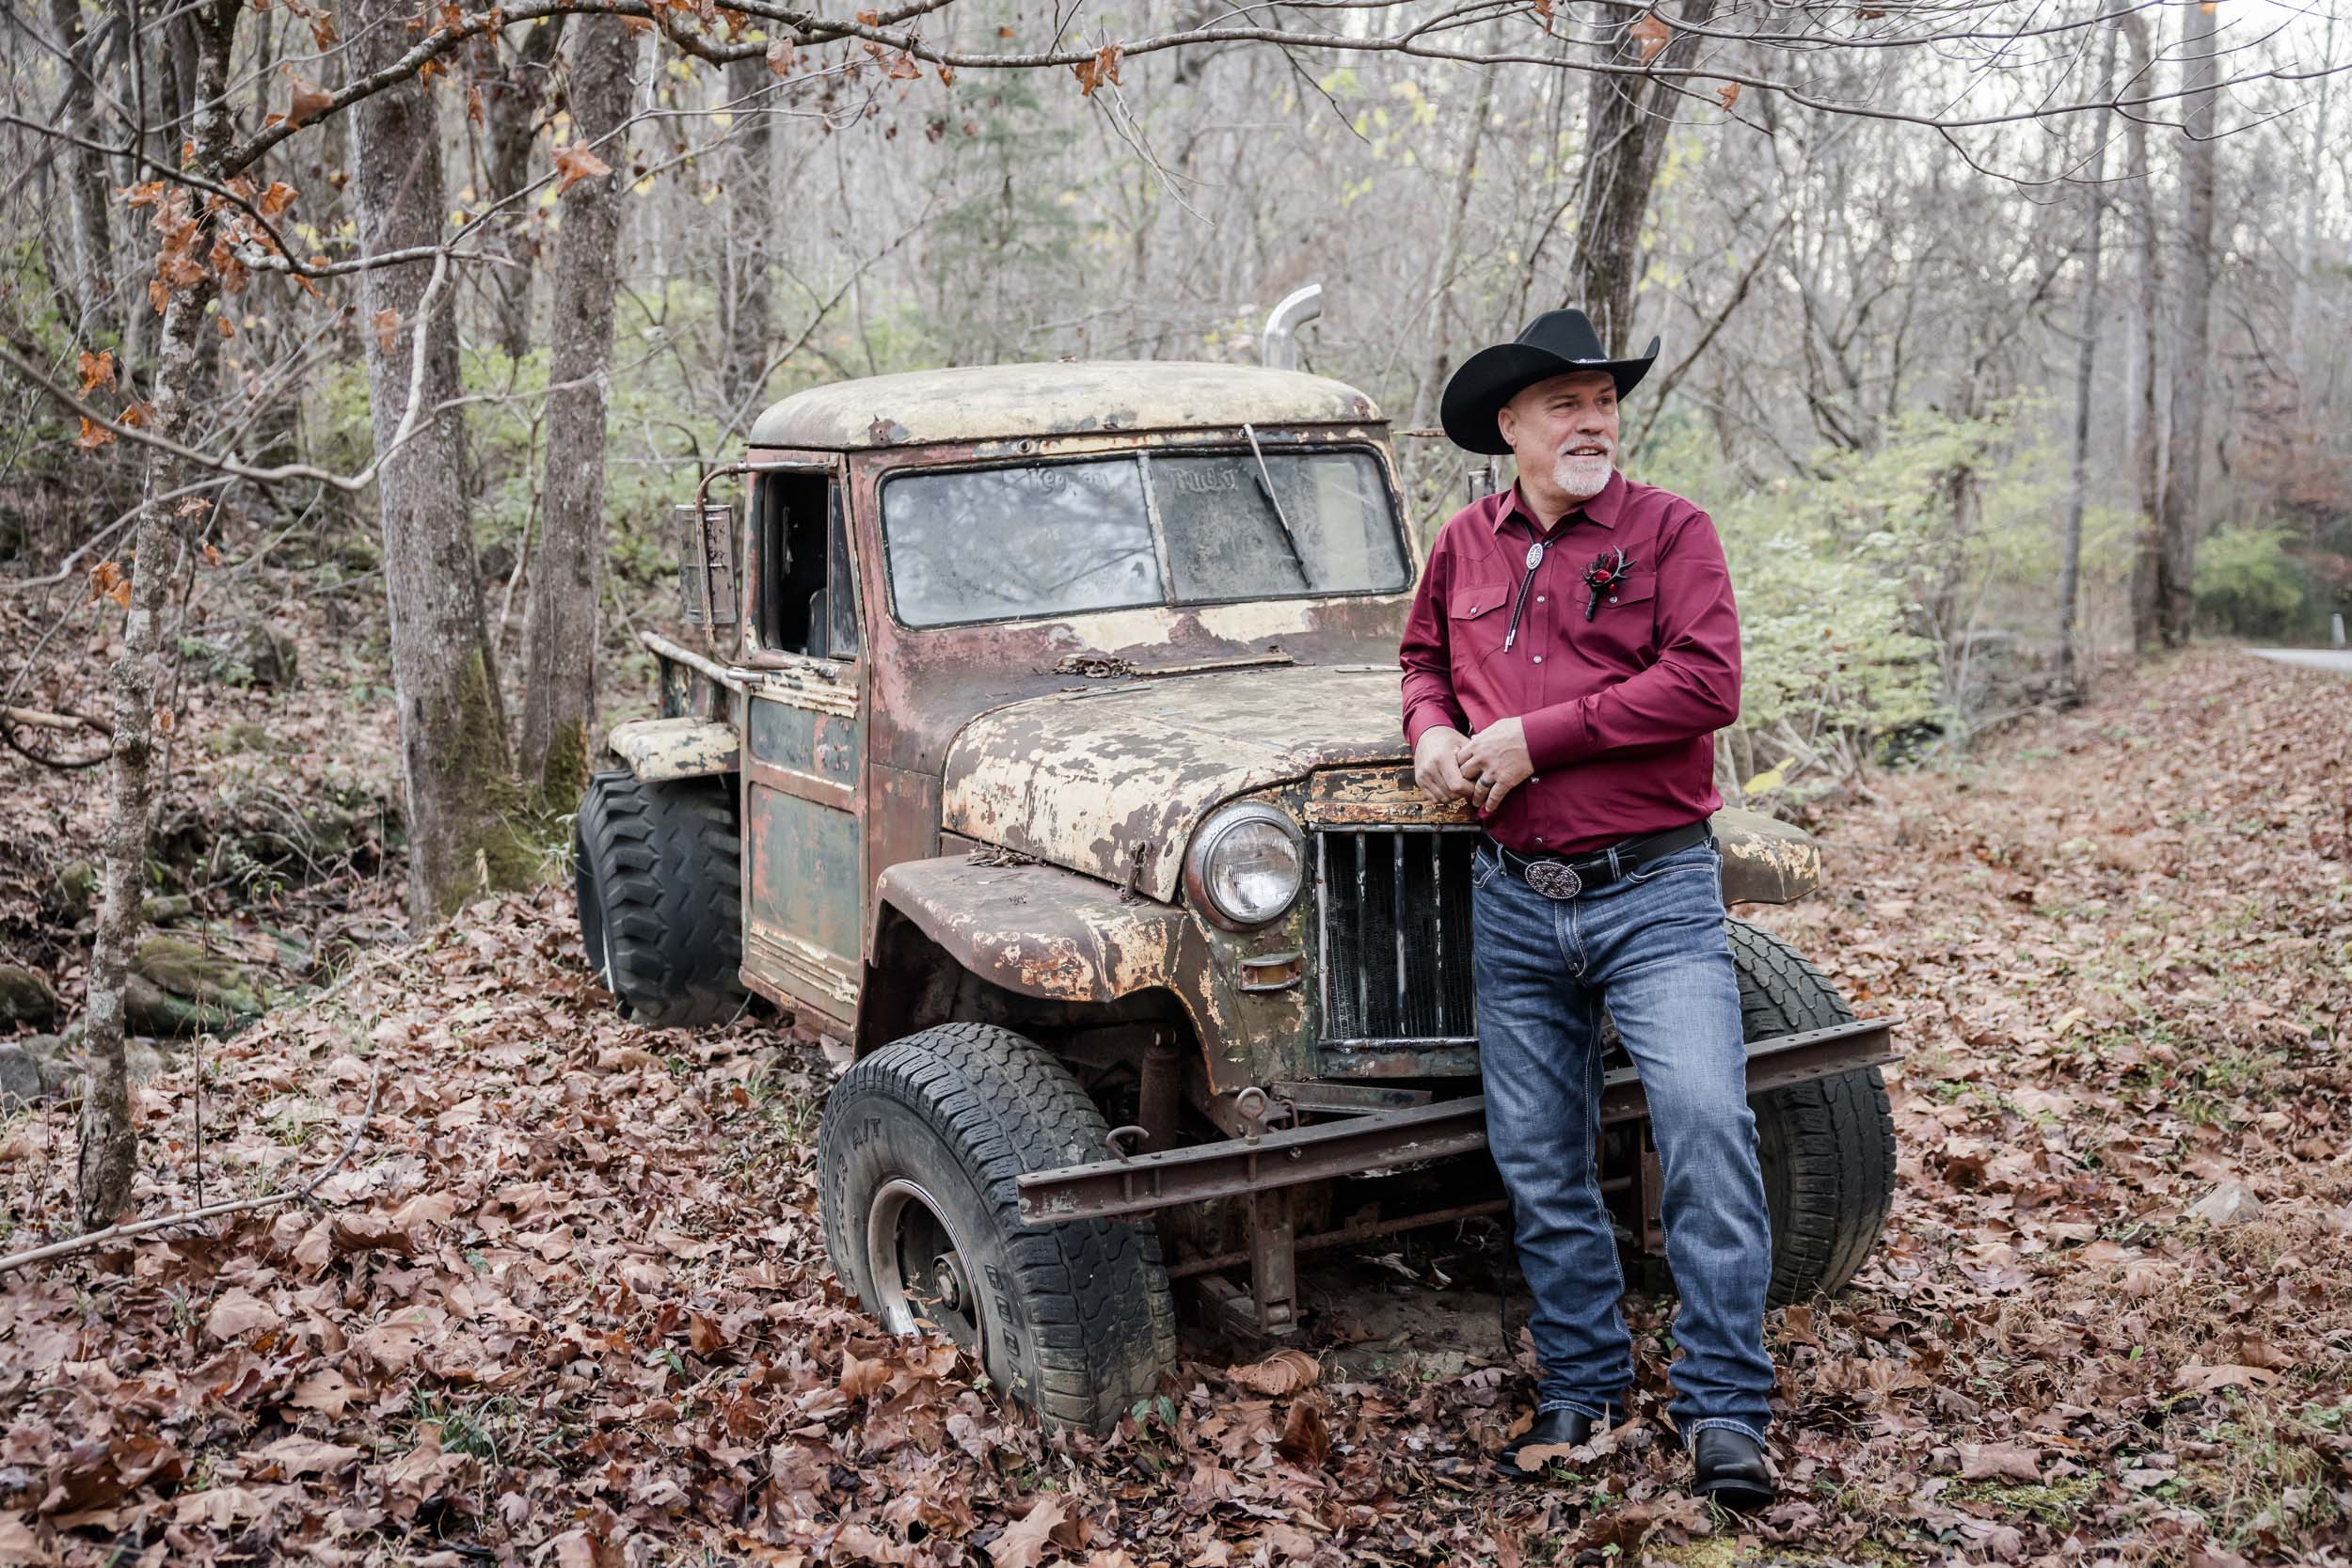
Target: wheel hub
<point>947,1280</point>
<point>917,1266</point>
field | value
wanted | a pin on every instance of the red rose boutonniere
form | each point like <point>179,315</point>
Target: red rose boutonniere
<point>1607,570</point>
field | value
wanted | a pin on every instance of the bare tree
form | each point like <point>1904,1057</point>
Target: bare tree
<point>108,1143</point>
<point>1625,121</point>
<point>92,287</point>
<point>513,100</point>
<point>2086,348</point>
<point>746,318</point>
<point>1444,276</point>
<point>2192,337</point>
<point>568,581</point>
<point>2147,447</point>
<point>452,727</point>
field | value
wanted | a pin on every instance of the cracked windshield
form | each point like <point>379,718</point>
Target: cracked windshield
<point>1140,529</point>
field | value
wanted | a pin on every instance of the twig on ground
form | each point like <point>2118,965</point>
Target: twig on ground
<point>144,1227</point>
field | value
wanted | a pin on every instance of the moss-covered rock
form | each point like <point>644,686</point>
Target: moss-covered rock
<point>25,997</point>
<point>20,1081</point>
<point>178,987</point>
<point>75,892</point>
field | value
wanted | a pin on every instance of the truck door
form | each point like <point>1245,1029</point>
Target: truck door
<point>805,748</point>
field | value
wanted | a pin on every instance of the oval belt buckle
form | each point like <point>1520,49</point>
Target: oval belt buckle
<point>1555,880</point>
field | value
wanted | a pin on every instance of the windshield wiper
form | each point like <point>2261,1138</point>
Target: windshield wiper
<point>1265,487</point>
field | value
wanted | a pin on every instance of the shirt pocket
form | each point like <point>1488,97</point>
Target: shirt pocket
<point>1623,626</point>
<point>1478,614</point>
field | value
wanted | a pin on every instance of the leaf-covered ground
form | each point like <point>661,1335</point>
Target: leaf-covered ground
<point>568,1302</point>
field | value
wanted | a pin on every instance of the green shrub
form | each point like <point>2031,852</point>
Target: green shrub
<point>2247,585</point>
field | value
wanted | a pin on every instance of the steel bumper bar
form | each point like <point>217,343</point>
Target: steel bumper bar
<point>1236,1167</point>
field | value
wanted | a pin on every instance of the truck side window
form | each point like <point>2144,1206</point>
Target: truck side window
<point>807,593</point>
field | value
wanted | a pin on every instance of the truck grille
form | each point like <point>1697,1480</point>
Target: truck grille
<point>1394,907</point>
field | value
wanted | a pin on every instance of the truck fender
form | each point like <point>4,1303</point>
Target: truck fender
<point>1765,862</point>
<point>1035,930</point>
<point>658,748</point>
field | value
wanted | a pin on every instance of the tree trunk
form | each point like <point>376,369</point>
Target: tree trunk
<point>2177,516</point>
<point>566,583</point>
<point>747,321</point>
<point>1626,123</point>
<point>2307,265</point>
<point>108,1154</point>
<point>2087,334</point>
<point>510,116</point>
<point>2147,457</point>
<point>1441,277</point>
<point>452,730</point>
<point>93,289</point>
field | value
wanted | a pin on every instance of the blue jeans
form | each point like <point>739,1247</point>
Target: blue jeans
<point>1651,948</point>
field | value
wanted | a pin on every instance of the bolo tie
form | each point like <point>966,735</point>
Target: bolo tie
<point>1535,558</point>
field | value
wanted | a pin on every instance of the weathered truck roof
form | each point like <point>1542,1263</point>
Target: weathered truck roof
<point>982,403</point>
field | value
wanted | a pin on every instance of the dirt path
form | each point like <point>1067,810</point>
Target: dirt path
<point>568,1304</point>
<point>2310,658</point>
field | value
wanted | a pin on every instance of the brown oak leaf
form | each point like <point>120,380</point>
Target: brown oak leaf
<point>575,164</point>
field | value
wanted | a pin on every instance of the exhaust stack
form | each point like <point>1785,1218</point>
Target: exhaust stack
<point>1278,348</point>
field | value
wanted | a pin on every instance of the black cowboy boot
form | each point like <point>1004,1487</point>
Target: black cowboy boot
<point>1731,1469</point>
<point>1571,1427</point>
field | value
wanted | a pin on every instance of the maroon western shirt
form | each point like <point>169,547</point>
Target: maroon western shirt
<point>1620,709</point>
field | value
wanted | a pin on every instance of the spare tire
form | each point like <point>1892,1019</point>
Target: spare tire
<point>658,873</point>
<point>1828,1145</point>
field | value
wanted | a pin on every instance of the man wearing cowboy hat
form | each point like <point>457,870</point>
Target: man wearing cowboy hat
<point>1571,650</point>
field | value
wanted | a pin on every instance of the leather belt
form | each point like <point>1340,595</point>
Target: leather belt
<point>1562,877</point>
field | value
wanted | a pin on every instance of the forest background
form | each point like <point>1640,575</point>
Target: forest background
<point>353,354</point>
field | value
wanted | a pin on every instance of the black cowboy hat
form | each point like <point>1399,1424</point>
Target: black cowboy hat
<point>1554,343</point>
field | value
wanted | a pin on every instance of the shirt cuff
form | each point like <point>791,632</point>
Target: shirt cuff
<point>1558,734</point>
<point>1427,717</point>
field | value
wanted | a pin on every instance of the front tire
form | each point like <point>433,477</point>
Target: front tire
<point>1828,1145</point>
<point>659,876</point>
<point>918,1155</point>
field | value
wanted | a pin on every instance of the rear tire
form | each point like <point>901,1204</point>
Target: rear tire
<point>917,1158</point>
<point>1827,1147</point>
<point>658,874</point>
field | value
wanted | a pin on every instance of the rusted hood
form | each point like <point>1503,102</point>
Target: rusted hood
<point>1092,780</point>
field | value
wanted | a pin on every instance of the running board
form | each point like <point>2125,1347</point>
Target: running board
<point>1237,1167</point>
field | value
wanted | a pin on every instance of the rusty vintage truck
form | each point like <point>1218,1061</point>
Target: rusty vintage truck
<point>1040,740</point>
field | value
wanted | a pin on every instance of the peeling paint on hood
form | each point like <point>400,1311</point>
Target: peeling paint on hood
<point>1092,780</point>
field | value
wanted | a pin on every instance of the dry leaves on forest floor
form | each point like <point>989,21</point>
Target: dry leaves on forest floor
<point>570,1304</point>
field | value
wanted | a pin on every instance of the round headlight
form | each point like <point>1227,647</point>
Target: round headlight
<point>1246,866</point>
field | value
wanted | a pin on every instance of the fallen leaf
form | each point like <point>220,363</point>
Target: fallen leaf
<point>1992,1461</point>
<point>1306,1437</point>
<point>861,1378</point>
<point>1285,1372</point>
<point>1022,1543</point>
<point>2204,1380</point>
<point>326,1391</point>
<point>302,1456</point>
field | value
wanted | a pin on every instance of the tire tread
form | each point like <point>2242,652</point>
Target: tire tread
<point>1095,1293</point>
<point>1828,1145</point>
<point>659,883</point>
